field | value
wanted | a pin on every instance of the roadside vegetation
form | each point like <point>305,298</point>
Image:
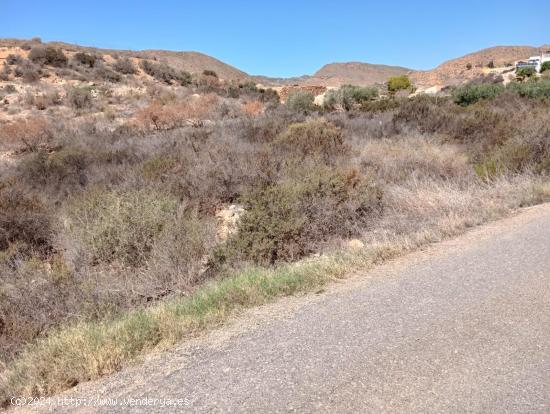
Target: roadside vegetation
<point>114,195</point>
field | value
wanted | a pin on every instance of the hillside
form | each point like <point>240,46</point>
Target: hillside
<point>456,71</point>
<point>193,62</point>
<point>452,72</point>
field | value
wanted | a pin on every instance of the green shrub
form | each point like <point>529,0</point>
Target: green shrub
<point>349,96</point>
<point>48,56</point>
<point>526,72</point>
<point>156,167</point>
<point>317,138</point>
<point>470,94</point>
<point>9,88</point>
<point>165,73</point>
<point>380,105</point>
<point>208,72</point>
<point>427,113</point>
<point>28,72</point>
<point>545,67</point>
<point>532,89</point>
<point>300,101</point>
<point>106,74</point>
<point>177,259</point>
<point>119,226</point>
<point>14,59</point>
<point>398,83</point>
<point>5,72</point>
<point>291,219</point>
<point>489,169</point>
<point>124,66</point>
<point>85,59</point>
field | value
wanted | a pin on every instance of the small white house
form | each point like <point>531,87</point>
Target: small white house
<point>534,61</point>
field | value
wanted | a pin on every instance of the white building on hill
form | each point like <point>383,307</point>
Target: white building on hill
<point>534,61</point>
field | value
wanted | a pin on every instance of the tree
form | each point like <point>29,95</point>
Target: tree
<point>545,67</point>
<point>398,83</point>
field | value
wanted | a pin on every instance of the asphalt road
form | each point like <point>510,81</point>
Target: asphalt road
<point>461,327</point>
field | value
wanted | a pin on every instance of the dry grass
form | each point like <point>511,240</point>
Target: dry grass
<point>253,108</point>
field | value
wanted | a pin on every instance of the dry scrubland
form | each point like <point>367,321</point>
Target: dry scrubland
<point>111,188</point>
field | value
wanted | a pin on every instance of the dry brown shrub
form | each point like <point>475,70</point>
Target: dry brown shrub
<point>158,116</point>
<point>29,134</point>
<point>47,99</point>
<point>253,108</point>
<point>312,139</point>
<point>24,219</point>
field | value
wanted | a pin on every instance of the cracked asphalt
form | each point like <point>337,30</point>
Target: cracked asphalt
<point>463,326</point>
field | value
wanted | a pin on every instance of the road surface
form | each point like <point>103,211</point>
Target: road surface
<point>463,326</point>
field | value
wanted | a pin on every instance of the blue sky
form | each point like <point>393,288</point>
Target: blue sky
<point>287,38</point>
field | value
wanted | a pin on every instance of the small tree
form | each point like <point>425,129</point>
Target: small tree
<point>491,65</point>
<point>398,83</point>
<point>545,67</point>
<point>469,66</point>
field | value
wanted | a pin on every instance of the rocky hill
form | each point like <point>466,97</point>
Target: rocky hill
<point>452,72</point>
<point>193,62</point>
<point>470,66</point>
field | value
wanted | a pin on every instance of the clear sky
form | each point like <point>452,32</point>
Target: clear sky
<point>285,37</point>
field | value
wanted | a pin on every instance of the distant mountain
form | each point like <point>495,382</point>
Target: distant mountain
<point>337,74</point>
<point>357,73</point>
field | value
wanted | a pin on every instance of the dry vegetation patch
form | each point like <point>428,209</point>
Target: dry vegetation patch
<point>109,245</point>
